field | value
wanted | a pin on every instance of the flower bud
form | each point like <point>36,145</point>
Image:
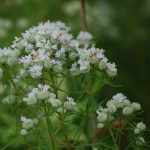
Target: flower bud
<point>42,95</point>
<point>11,60</point>
<point>136,106</point>
<point>140,141</point>
<point>127,110</point>
<point>136,131</point>
<point>23,132</point>
<point>100,125</point>
<point>141,126</point>
<point>102,117</point>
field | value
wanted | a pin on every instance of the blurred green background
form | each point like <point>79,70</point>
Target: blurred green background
<point>122,28</point>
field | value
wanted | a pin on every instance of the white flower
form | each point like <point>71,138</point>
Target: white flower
<point>65,38</point>
<point>74,70</point>
<point>74,44</point>
<point>31,100</point>
<point>100,125</point>
<point>54,101</point>
<point>103,63</point>
<point>84,36</point>
<point>26,59</point>
<point>137,131</point>
<point>47,64</point>
<point>27,123</point>
<point>140,141</point>
<point>102,117</point>
<point>141,126</point>
<point>136,106</point>
<point>112,109</point>
<point>49,44</point>
<point>42,95</point>
<point>119,97</point>
<point>59,53</point>
<point>127,110</point>
<point>60,110</point>
<point>23,132</point>
<point>73,55</point>
<point>84,66</point>
<point>111,69</point>
<point>57,65</point>
<point>36,71</point>
<point>11,60</point>
<point>70,104</point>
<point>39,93</point>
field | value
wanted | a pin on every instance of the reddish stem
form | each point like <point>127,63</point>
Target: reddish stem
<point>83,15</point>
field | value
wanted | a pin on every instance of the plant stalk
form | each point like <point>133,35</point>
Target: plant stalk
<point>49,128</point>
<point>83,15</point>
<point>110,130</point>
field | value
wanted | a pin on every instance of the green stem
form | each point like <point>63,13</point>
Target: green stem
<point>86,111</point>
<point>49,127</point>
<point>113,138</point>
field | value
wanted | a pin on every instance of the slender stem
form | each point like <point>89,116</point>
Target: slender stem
<point>13,83</point>
<point>49,127</point>
<point>113,138</point>
<point>120,135</point>
<point>86,121</point>
<point>67,143</point>
<point>83,15</point>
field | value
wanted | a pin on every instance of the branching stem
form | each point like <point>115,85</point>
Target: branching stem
<point>110,130</point>
<point>49,127</point>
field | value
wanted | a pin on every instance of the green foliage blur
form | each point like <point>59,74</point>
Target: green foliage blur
<point>122,28</point>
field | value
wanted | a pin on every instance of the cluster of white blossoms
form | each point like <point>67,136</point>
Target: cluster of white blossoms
<point>140,141</point>
<point>60,106</point>
<point>37,94</point>
<point>140,127</point>
<point>118,106</point>
<point>42,93</point>
<point>27,124</point>
<point>138,131</point>
<point>8,56</point>
<point>50,46</point>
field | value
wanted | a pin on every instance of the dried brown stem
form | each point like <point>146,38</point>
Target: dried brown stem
<point>83,15</point>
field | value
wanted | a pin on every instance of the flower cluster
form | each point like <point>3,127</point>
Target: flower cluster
<point>37,94</point>
<point>60,106</point>
<point>50,46</point>
<point>27,124</point>
<point>118,106</point>
<point>8,56</point>
<point>42,93</point>
<point>140,127</point>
